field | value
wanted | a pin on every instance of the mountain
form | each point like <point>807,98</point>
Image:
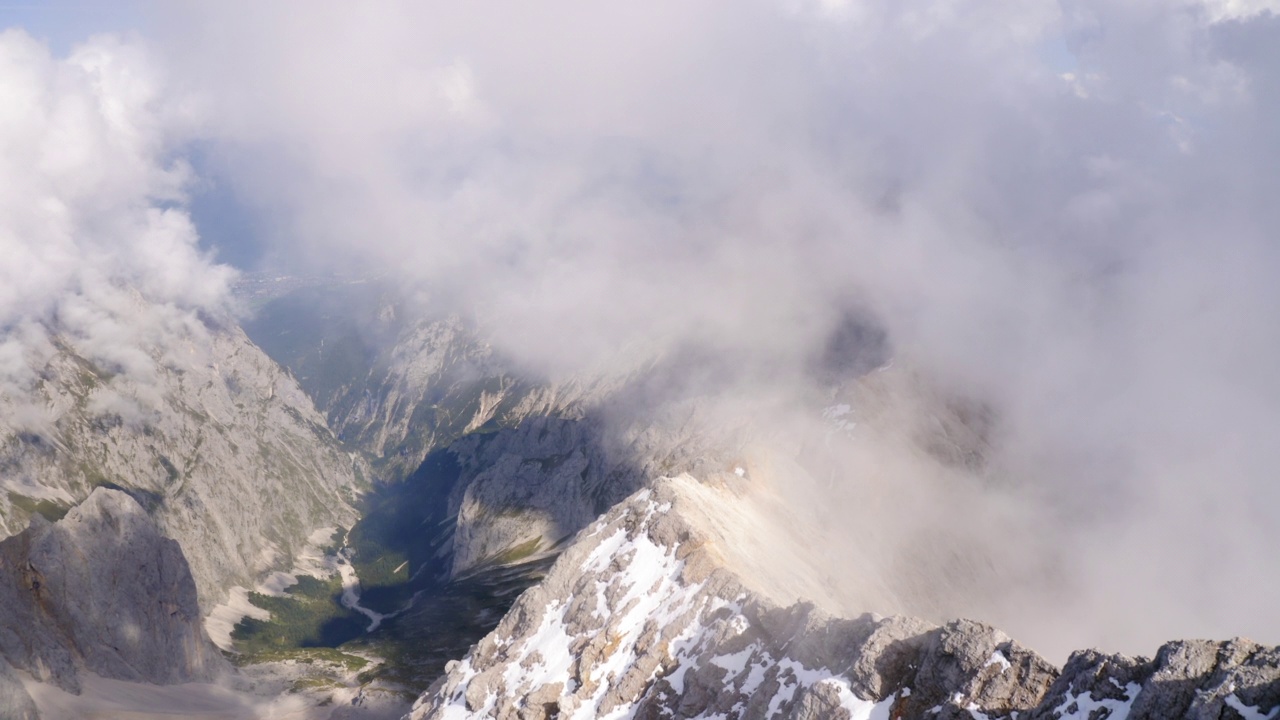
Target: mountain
<point>531,460</point>
<point>663,609</point>
<point>393,380</point>
<point>643,592</point>
<point>100,591</point>
<point>218,443</point>
<point>481,470</point>
<point>512,545</point>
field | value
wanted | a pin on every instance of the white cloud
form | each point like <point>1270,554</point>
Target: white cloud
<point>1093,252</point>
<point>1225,10</point>
<point>91,205</point>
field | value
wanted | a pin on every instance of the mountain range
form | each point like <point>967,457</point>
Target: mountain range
<point>376,514</point>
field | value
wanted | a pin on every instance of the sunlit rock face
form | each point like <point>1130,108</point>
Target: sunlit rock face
<point>216,441</point>
<point>646,615</point>
<point>102,591</point>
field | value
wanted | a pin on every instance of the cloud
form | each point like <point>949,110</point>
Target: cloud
<point>1223,10</point>
<point>1062,208</point>
<point>95,242</point>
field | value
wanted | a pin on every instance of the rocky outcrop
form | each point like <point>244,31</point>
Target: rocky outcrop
<point>216,441</point>
<point>1194,679</point>
<point>644,616</point>
<point>101,591</point>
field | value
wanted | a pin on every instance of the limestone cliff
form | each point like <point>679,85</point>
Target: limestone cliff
<point>216,441</point>
<point>102,591</point>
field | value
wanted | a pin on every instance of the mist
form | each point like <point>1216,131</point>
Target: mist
<point>97,250</point>
<point>1060,211</point>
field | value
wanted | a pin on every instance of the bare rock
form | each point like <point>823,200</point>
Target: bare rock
<point>102,591</point>
<point>644,616</point>
<point>215,440</point>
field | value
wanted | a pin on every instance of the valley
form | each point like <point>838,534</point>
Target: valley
<point>780,360</point>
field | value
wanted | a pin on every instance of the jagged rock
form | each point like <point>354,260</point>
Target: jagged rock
<point>973,667</point>
<point>641,615</point>
<point>102,591</point>
<point>1193,679</point>
<point>434,383</point>
<point>645,615</point>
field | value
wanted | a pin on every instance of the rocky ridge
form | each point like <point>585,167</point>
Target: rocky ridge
<point>646,616</point>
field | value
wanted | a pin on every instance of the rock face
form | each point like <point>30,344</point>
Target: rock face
<point>643,616</point>
<point>217,442</point>
<point>1194,679</point>
<point>102,591</point>
<point>391,382</point>
<point>435,383</point>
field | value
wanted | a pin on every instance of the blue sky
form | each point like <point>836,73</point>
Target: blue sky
<point>63,23</point>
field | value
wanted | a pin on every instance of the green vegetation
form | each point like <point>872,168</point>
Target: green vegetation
<point>309,615</point>
<point>396,550</point>
<point>443,623</point>
<point>311,655</point>
<point>314,683</point>
<point>49,509</point>
<point>398,541</point>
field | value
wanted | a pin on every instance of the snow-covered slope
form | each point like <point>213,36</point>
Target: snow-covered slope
<point>647,616</point>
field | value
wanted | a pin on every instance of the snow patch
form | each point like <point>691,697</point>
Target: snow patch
<point>836,415</point>
<point>976,713</point>
<point>836,411</point>
<point>638,590</point>
<point>1249,712</point>
<point>858,708</point>
<point>550,644</point>
<point>735,663</point>
<point>998,658</point>
<point>1083,705</point>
